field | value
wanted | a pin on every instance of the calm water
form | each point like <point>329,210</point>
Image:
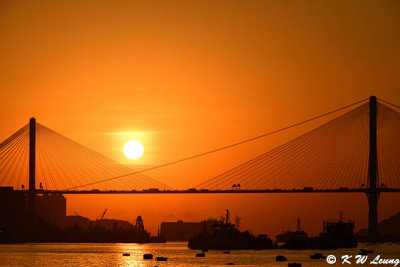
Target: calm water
<point>72,254</point>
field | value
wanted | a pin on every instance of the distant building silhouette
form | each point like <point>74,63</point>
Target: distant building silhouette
<point>12,210</point>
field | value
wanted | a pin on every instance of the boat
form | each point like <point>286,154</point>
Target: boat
<point>227,252</point>
<point>201,255</point>
<point>147,256</point>
<point>294,264</point>
<point>225,236</point>
<point>294,239</point>
<point>280,258</point>
<point>126,254</point>
<point>336,234</point>
<point>317,256</point>
<point>284,237</point>
<point>161,258</point>
<point>365,251</point>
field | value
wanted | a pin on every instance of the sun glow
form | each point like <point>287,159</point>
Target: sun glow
<point>133,149</point>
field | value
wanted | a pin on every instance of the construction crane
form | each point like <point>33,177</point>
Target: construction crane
<point>102,216</point>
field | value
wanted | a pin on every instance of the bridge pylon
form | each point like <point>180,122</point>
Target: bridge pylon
<point>32,165</point>
<point>372,192</point>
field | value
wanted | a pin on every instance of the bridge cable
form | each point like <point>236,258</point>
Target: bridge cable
<point>224,147</point>
<point>387,102</point>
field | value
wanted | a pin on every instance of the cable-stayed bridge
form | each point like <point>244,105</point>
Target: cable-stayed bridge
<point>358,151</point>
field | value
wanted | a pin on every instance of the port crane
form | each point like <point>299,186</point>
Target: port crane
<point>102,216</point>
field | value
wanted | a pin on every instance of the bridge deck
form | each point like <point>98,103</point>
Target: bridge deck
<point>205,191</point>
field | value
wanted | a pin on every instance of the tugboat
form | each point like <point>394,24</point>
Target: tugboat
<point>226,236</point>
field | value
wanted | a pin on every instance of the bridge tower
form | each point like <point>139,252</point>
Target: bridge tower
<point>372,192</point>
<point>32,164</point>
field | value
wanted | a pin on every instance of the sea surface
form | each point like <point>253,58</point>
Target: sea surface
<point>106,254</point>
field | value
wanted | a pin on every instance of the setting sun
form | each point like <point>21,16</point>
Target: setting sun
<point>133,149</point>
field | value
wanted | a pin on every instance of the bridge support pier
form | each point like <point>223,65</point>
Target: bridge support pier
<point>372,193</point>
<point>373,216</point>
<point>32,165</point>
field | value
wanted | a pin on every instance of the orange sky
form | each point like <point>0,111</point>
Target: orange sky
<point>185,77</point>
